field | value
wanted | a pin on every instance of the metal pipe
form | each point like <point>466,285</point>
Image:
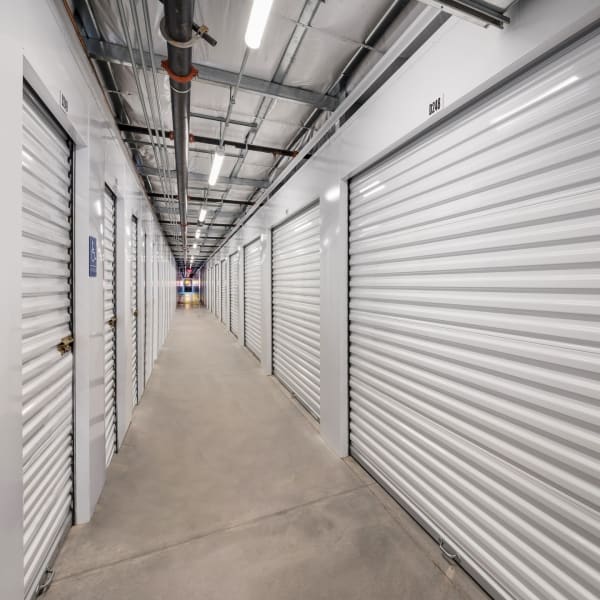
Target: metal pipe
<point>178,25</point>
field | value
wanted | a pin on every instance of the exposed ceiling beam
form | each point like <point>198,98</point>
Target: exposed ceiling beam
<point>115,53</point>
<point>195,224</point>
<point>202,139</point>
<point>255,183</point>
<point>218,119</point>
<point>200,199</point>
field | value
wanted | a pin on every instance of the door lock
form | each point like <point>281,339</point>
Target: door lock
<point>66,345</point>
<point>112,322</point>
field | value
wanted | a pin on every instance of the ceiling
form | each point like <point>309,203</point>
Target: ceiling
<point>312,53</point>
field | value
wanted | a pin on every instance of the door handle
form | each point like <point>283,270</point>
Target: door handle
<point>65,345</point>
<point>112,322</point>
<point>135,313</point>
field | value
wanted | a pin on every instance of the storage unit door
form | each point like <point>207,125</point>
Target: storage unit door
<point>253,299</point>
<point>218,291</point>
<point>134,311</point>
<point>224,293</point>
<point>474,331</point>
<point>47,330</point>
<point>234,293</point>
<point>110,322</point>
<point>296,307</point>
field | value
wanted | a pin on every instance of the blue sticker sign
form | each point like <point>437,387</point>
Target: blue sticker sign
<point>93,257</point>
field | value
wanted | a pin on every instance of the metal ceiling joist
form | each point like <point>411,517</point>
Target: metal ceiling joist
<point>115,53</point>
<point>219,119</point>
<point>201,139</point>
<point>255,183</point>
<point>193,224</point>
<point>201,200</point>
<point>481,12</point>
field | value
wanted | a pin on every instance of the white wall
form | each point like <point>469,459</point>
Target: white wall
<point>460,61</point>
<point>37,42</point>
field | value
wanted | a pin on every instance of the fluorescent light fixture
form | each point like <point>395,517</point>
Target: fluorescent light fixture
<point>374,191</point>
<point>563,84</point>
<point>201,218</point>
<point>368,187</point>
<point>195,245</point>
<point>197,234</point>
<point>259,14</point>
<point>215,168</point>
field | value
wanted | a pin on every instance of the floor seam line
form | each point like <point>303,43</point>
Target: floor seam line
<point>207,534</point>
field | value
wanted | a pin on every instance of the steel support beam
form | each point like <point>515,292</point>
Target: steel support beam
<point>201,139</point>
<point>200,199</point>
<point>255,183</point>
<point>115,53</point>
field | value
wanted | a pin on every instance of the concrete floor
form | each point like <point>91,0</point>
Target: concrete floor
<point>224,490</point>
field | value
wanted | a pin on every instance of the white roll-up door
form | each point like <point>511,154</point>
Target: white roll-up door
<point>296,307</point>
<point>47,330</point>
<point>234,293</point>
<point>253,298</point>
<point>474,331</point>
<point>134,310</point>
<point>224,293</point>
<point>218,290</point>
<point>110,322</point>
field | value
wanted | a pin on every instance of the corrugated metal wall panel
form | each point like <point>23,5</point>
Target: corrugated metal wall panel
<point>474,337</point>
<point>253,298</point>
<point>296,307</point>
<point>234,293</point>
<point>46,320</point>
<point>110,322</point>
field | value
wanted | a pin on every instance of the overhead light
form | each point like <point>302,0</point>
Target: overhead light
<point>215,168</point>
<point>201,218</point>
<point>195,245</point>
<point>257,22</point>
<point>198,233</point>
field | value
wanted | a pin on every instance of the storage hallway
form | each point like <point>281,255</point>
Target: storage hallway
<point>301,300</point>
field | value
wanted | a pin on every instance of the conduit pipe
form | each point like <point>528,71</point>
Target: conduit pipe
<point>178,27</point>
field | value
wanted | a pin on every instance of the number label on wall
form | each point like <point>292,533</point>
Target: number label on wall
<point>436,105</point>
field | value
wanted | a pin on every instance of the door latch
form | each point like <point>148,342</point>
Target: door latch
<point>448,554</point>
<point>66,345</point>
<point>46,582</point>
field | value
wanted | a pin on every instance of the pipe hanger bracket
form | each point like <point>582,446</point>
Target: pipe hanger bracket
<point>179,78</point>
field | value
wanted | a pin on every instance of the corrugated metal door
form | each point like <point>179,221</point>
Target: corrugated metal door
<point>47,330</point>
<point>253,298</point>
<point>234,292</point>
<point>110,325</point>
<point>474,337</point>
<point>134,310</point>
<point>296,307</point>
<point>224,293</point>
<point>218,291</point>
<point>147,284</point>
